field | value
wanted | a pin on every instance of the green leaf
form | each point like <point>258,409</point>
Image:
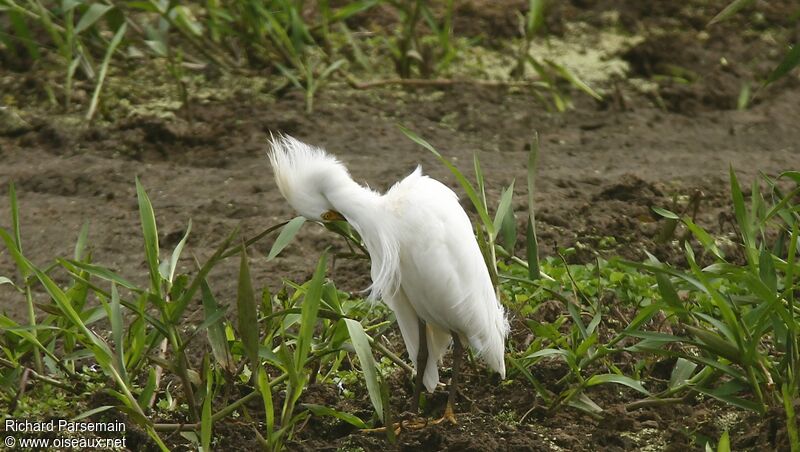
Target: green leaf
<point>150,235</point>
<point>285,237</point>
<point>118,331</point>
<point>732,8</point>
<point>112,46</point>
<point>730,399</point>
<point>246,311</point>
<point>176,253</point>
<point>92,412</point>
<point>665,213</point>
<point>206,422</point>
<point>574,79</point>
<point>309,310</point>
<point>531,242</point>
<point>618,379</point>
<point>789,62</point>
<point>80,245</point>
<point>766,270</point>
<point>92,15</point>
<point>320,410</point>
<point>101,272</point>
<point>266,397</point>
<point>682,371</point>
<point>504,219</point>
<point>535,17</point>
<point>724,444</point>
<point>585,404</point>
<point>465,184</point>
<point>668,293</point>
<point>361,344</point>
<point>216,330</point>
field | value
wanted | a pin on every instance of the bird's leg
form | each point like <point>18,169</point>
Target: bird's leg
<point>458,354</point>
<point>422,361</point>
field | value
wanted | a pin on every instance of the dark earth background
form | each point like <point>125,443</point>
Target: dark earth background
<point>603,164</point>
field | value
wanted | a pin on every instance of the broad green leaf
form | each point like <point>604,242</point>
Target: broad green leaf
<point>247,312</point>
<point>285,237</point>
<point>618,379</point>
<point>266,397</point>
<point>668,293</point>
<point>102,272</point>
<point>665,213</point>
<point>150,234</point>
<point>503,208</point>
<point>584,403</point>
<point>320,410</point>
<point>216,330</point>
<point>361,344</point>
<point>92,412</point>
<point>724,444</point>
<point>789,62</point>
<point>731,400</point>
<point>682,371</point>
<point>176,253</point>
<point>766,270</point>
<point>92,15</point>
<point>309,310</point>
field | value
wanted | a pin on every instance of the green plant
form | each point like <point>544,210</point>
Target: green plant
<point>411,49</point>
<point>790,60</point>
<point>150,338</point>
<point>735,314</point>
<point>74,31</point>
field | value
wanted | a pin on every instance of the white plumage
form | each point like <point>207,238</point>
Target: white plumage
<point>426,264</point>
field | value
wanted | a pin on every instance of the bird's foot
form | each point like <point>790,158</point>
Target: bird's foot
<point>449,416</point>
<point>408,421</point>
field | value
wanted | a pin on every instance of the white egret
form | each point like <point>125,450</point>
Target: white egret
<point>425,261</point>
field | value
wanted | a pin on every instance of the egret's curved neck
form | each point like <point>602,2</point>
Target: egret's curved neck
<point>362,208</point>
<point>357,203</point>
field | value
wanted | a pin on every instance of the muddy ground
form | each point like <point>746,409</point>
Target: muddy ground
<point>602,166</point>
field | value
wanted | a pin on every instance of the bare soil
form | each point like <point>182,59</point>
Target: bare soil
<point>603,166</point>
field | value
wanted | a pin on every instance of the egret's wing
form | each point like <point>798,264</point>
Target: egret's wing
<point>442,271</point>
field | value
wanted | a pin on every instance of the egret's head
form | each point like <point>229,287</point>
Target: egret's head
<point>304,174</point>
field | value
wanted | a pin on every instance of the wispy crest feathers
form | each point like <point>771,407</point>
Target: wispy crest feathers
<point>314,181</point>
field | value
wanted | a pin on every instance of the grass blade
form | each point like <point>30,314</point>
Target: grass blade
<point>150,234</point>
<point>216,331</point>
<point>309,310</point>
<point>285,237</point>
<point>247,313</point>
<point>618,379</point>
<point>532,243</point>
<point>732,8</point>
<point>789,62</point>
<point>104,69</point>
<point>465,184</point>
<point>361,344</point>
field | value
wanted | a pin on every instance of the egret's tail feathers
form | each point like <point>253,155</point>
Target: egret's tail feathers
<point>490,341</point>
